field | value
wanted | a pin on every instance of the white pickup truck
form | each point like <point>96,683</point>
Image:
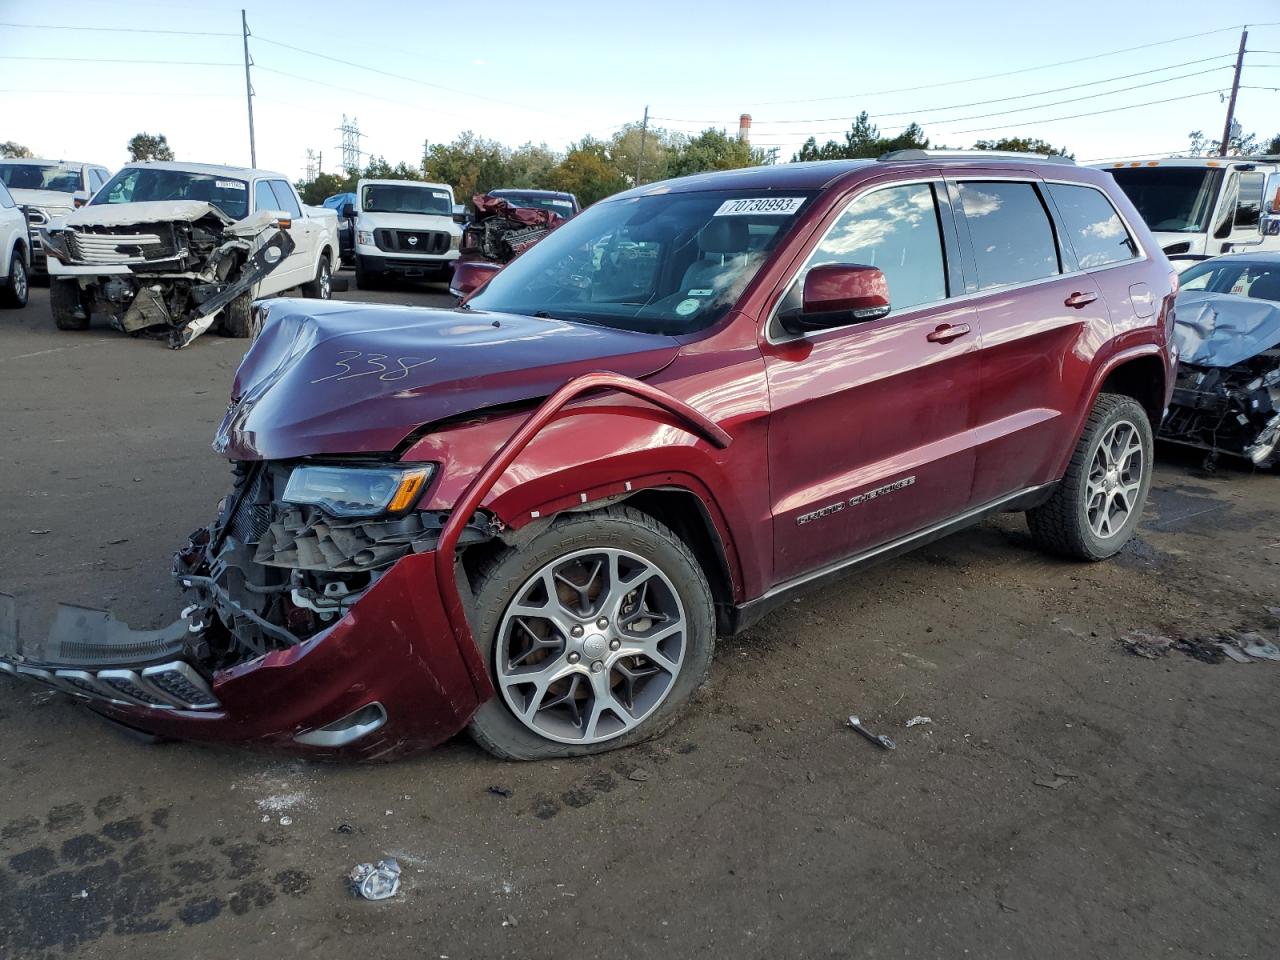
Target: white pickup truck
<point>178,247</point>
<point>47,189</point>
<point>404,228</point>
<point>1201,207</point>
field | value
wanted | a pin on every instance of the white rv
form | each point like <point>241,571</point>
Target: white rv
<point>1204,206</point>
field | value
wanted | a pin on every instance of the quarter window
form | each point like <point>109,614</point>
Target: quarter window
<point>1012,238</point>
<point>895,229</point>
<point>1096,231</point>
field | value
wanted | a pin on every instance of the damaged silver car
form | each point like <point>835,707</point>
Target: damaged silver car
<point>175,249</point>
<point>1227,397</point>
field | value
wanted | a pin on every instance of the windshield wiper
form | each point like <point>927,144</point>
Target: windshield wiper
<point>543,315</point>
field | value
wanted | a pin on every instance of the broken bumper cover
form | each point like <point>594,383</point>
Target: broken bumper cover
<point>388,678</point>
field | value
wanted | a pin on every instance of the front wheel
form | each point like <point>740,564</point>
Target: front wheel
<point>597,632</point>
<point>1096,507</point>
<point>321,287</point>
<point>237,318</point>
<point>14,292</point>
<point>68,304</point>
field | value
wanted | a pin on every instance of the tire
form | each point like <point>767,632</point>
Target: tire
<point>18,284</point>
<point>1075,523</point>
<point>321,287</point>
<point>367,279</point>
<point>65,301</point>
<point>237,317</point>
<point>665,584</point>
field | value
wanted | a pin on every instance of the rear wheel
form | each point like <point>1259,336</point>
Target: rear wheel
<point>68,305</point>
<point>597,633</point>
<point>14,292</point>
<point>237,317</point>
<point>321,287</point>
<point>1096,507</point>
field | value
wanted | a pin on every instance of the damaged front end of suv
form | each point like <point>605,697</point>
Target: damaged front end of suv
<point>1227,396</point>
<point>172,268</point>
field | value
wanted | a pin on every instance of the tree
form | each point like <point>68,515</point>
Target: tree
<point>1024,145</point>
<point>529,166</point>
<point>1240,144</point>
<point>624,152</point>
<point>15,150</point>
<point>470,164</point>
<point>863,141</point>
<point>587,171</point>
<point>710,150</point>
<point>1273,146</point>
<point>146,146</point>
<point>314,192</point>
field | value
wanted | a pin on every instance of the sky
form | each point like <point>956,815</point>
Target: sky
<point>557,70</point>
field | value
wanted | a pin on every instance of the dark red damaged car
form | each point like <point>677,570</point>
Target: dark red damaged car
<point>531,516</point>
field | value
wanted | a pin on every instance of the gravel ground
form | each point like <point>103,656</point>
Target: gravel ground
<point>1067,799</point>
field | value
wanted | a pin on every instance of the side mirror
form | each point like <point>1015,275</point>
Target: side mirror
<point>80,198</point>
<point>838,294</point>
<point>470,275</point>
<point>348,211</point>
<point>459,213</point>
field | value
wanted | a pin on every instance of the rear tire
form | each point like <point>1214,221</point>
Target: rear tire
<point>1098,503</point>
<point>321,287</point>
<point>646,589</point>
<point>237,317</point>
<point>68,305</point>
<point>17,285</point>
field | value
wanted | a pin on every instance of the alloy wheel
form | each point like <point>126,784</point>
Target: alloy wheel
<point>590,645</point>
<point>1115,480</point>
<point>19,279</point>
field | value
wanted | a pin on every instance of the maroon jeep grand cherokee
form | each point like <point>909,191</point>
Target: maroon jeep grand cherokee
<point>532,515</point>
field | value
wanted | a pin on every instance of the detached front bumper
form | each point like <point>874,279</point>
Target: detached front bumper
<point>388,678</point>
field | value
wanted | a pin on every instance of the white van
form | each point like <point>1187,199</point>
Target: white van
<point>405,228</point>
<point>1201,207</point>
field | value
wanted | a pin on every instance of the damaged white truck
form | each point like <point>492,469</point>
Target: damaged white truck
<point>176,249</point>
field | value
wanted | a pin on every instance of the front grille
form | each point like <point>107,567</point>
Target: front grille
<point>166,686</point>
<point>92,245</point>
<point>252,516</point>
<point>430,242</point>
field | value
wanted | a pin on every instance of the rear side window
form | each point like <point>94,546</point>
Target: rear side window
<point>1012,237</point>
<point>1096,232</point>
<point>895,229</point>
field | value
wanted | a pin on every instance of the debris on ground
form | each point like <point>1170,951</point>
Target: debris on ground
<point>39,533</point>
<point>1053,784</point>
<point>344,828</point>
<point>1143,644</point>
<point>638,775</point>
<point>378,881</point>
<point>504,792</point>
<point>510,921</point>
<point>880,740</point>
<point>917,721</point>
<point>1066,772</point>
<point>1239,647</point>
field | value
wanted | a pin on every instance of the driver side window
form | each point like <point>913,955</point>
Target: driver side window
<point>895,229</point>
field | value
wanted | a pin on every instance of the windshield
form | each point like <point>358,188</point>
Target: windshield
<point>35,176</point>
<point>665,263</point>
<point>1171,199</point>
<point>405,198</point>
<point>560,205</point>
<point>1257,279</point>
<point>141,184</point>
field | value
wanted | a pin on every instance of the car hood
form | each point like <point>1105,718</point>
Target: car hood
<point>44,199</point>
<point>1222,329</point>
<point>406,221</point>
<point>341,377</point>
<point>150,211</point>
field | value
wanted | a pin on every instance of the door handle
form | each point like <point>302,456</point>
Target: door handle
<point>1079,300</point>
<point>947,332</point>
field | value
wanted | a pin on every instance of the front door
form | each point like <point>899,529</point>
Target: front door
<point>870,432</point>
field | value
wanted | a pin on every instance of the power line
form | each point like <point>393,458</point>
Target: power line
<point>167,63</point>
<point>1077,116</point>
<point>171,33</point>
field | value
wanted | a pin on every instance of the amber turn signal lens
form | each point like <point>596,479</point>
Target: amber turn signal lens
<point>406,495</point>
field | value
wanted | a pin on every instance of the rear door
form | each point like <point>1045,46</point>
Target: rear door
<point>1042,322</point>
<point>870,431</point>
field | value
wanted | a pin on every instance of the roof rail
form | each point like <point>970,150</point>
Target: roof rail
<point>917,154</point>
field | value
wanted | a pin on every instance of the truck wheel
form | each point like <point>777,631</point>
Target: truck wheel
<point>1096,507</point>
<point>14,292</point>
<point>320,287</point>
<point>368,279</point>
<point>67,304</point>
<point>597,632</point>
<point>237,317</point>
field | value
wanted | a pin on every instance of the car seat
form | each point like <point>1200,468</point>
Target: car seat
<point>1266,287</point>
<point>723,246</point>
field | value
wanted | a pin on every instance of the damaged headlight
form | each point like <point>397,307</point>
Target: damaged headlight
<point>358,491</point>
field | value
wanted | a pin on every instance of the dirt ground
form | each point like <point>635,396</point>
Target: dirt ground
<point>760,826</point>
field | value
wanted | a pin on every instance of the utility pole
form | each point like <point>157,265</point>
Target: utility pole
<point>644,130</point>
<point>248,88</point>
<point>1231,104</point>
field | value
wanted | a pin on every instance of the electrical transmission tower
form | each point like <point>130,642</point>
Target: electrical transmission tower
<point>350,147</point>
<point>315,164</point>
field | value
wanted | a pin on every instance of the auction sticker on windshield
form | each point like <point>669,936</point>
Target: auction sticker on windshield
<point>778,206</point>
<point>229,185</point>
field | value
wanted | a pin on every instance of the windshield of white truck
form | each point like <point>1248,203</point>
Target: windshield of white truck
<point>397,198</point>
<point>1171,199</point>
<point>36,176</point>
<point>143,184</point>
